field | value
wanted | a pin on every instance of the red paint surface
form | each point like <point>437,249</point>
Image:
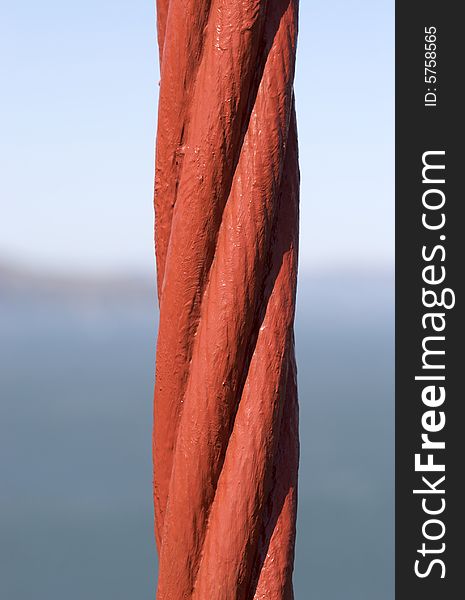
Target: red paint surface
<point>225,442</point>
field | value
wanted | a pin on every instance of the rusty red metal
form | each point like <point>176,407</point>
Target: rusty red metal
<point>225,441</point>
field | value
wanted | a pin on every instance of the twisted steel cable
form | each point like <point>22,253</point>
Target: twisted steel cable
<point>225,437</point>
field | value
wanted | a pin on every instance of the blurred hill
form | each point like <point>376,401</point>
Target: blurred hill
<point>24,283</point>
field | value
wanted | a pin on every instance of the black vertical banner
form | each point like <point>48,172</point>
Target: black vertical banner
<point>430,261</point>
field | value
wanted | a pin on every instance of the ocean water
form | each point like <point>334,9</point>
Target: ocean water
<point>76,379</point>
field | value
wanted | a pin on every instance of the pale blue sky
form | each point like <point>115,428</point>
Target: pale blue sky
<point>78,91</point>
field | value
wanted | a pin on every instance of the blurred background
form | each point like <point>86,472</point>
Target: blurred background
<point>78,316</point>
